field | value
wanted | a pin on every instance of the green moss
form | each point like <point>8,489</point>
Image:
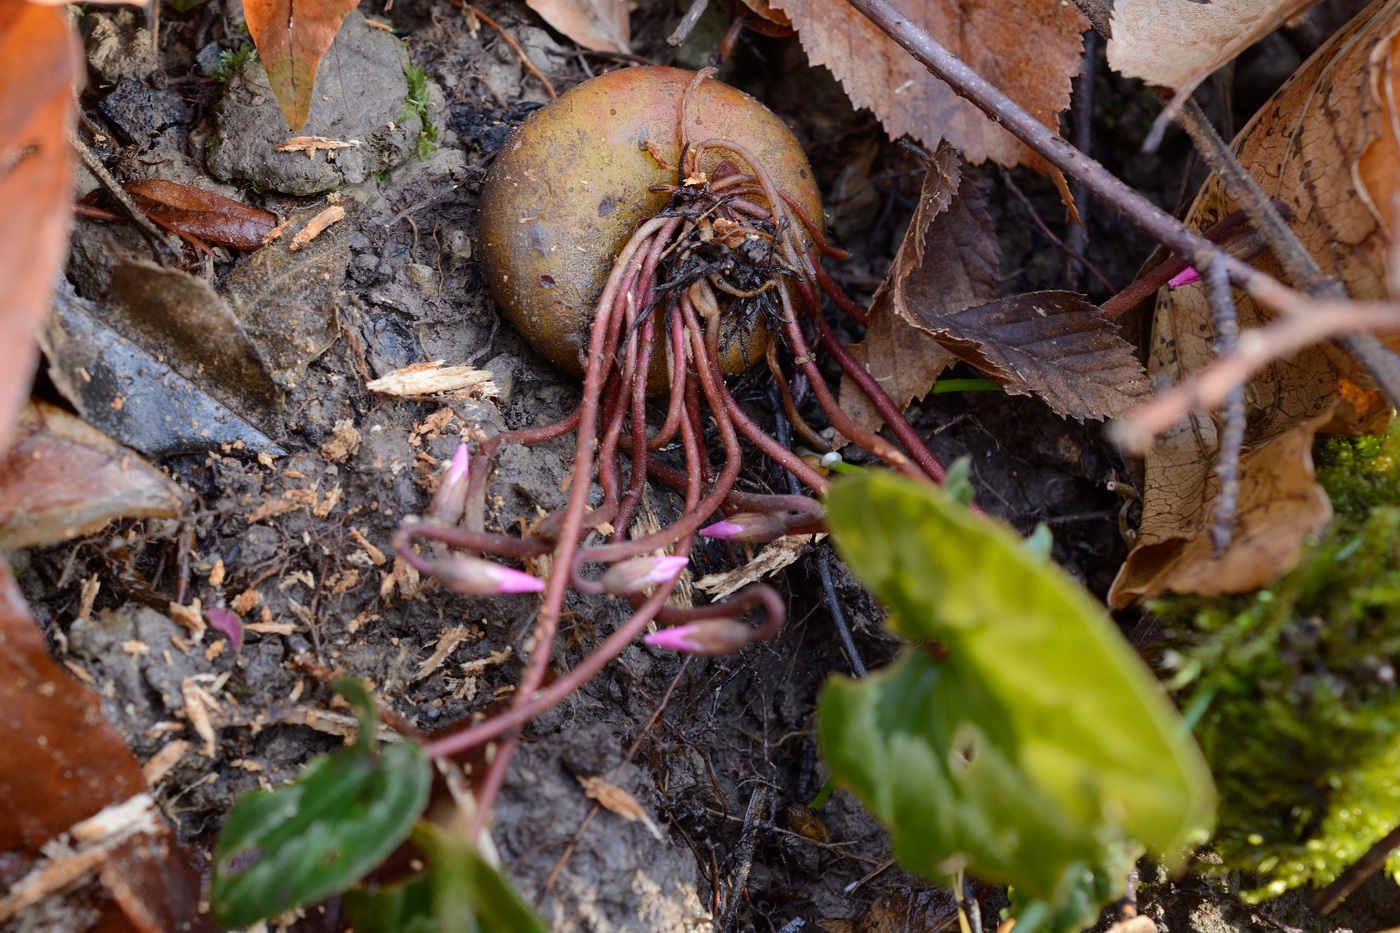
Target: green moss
<point>1293,689</point>
<point>416,104</point>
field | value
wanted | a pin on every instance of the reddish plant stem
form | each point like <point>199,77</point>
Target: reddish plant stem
<point>837,294</point>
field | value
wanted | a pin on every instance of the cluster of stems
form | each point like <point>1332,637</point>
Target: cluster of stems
<point>728,243</point>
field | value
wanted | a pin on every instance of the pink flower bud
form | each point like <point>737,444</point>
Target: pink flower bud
<point>450,500</point>
<point>752,527</point>
<point>476,576</point>
<point>634,576</point>
<point>1185,277</point>
<point>712,636</point>
<point>224,621</point>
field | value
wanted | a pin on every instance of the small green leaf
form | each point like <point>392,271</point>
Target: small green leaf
<point>1030,746</point>
<point>320,834</point>
<point>460,891</point>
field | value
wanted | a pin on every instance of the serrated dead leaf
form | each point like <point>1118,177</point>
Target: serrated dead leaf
<point>600,25</point>
<point>1028,50</point>
<point>1304,147</point>
<point>1053,345</point>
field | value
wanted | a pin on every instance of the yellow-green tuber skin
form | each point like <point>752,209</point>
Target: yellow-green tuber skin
<point>571,185</point>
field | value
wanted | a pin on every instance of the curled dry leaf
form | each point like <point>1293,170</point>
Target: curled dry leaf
<point>1054,345</point>
<point>948,261</point>
<point>203,214</point>
<point>63,479</point>
<point>1315,146</point>
<point>37,71</point>
<point>1029,50</point>
<point>291,37</point>
<point>1178,43</point>
<point>600,25</point>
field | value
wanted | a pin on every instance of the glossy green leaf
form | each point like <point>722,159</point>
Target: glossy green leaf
<point>459,891</point>
<point>300,843</point>
<point>1024,742</point>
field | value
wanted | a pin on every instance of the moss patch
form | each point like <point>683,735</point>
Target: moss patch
<point>1293,689</point>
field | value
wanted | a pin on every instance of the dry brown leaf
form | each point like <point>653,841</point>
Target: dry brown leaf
<point>203,214</point>
<point>948,261</point>
<point>1178,43</point>
<point>1053,345</point>
<point>765,11</point>
<point>1029,50</point>
<point>63,479</point>
<point>1280,504</point>
<point>291,37</point>
<point>1304,147</point>
<point>600,25</point>
<point>37,71</point>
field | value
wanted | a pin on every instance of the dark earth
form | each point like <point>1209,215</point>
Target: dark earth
<point>297,489</point>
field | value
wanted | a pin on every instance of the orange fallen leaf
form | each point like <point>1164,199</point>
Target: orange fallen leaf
<point>600,25</point>
<point>1311,146</point>
<point>1028,50</point>
<point>37,71</point>
<point>291,37</point>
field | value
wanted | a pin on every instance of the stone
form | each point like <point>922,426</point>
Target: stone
<point>147,118</point>
<point>119,45</point>
<point>359,98</point>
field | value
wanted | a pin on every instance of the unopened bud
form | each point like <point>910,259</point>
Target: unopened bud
<point>712,636</point>
<point>476,576</point>
<point>634,576</point>
<point>1186,276</point>
<point>450,500</point>
<point>750,527</point>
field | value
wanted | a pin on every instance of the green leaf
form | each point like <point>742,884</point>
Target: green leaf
<point>301,843</point>
<point>366,713</point>
<point>1029,745</point>
<point>184,6</point>
<point>460,891</point>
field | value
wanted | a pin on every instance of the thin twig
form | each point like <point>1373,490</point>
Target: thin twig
<point>1231,434</point>
<point>152,234</point>
<point>838,618</point>
<point>1075,257</point>
<point>510,40</point>
<point>687,23</point>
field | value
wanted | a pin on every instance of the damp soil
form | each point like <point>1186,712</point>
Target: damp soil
<point>719,751</point>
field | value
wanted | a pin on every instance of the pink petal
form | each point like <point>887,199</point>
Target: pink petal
<point>674,639</point>
<point>721,530</point>
<point>224,621</point>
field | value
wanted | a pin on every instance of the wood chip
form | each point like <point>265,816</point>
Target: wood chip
<point>419,380</point>
<point>162,761</point>
<point>314,144</point>
<point>217,573</point>
<point>317,226</point>
<point>328,503</point>
<point>215,649</point>
<point>86,597</point>
<point>343,444</point>
<point>191,617</point>
<point>244,602</point>
<point>79,672</point>
<point>376,556</point>
<point>136,648</point>
<point>616,800</point>
<point>199,706</point>
<point>447,642</point>
<point>777,555</point>
<point>270,628</point>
